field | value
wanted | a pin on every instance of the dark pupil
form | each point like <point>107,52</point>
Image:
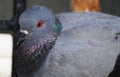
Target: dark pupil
<point>40,23</point>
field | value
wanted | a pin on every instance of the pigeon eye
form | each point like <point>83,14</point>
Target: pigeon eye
<point>39,24</point>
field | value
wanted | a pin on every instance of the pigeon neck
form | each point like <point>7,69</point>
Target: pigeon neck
<point>37,54</point>
<point>43,43</point>
<point>57,26</point>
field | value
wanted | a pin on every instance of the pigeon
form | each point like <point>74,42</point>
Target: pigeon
<point>38,31</point>
<point>85,44</point>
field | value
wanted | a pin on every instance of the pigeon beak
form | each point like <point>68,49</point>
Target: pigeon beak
<point>24,31</point>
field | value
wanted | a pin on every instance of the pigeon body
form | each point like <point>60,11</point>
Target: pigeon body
<point>86,47</point>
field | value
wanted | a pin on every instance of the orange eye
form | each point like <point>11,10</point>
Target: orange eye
<point>39,24</point>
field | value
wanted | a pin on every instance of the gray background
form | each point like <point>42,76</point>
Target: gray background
<point>57,6</point>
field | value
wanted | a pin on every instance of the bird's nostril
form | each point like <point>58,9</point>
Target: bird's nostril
<point>40,23</point>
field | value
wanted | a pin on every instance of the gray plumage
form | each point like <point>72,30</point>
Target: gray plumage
<point>86,47</point>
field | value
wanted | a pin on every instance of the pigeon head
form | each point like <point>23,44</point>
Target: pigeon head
<point>38,18</point>
<point>41,29</point>
<point>40,26</point>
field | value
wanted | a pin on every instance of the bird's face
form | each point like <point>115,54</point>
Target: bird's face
<point>41,29</point>
<point>39,18</point>
<point>40,26</point>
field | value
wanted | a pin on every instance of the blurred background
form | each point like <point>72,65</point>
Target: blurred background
<point>60,6</point>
